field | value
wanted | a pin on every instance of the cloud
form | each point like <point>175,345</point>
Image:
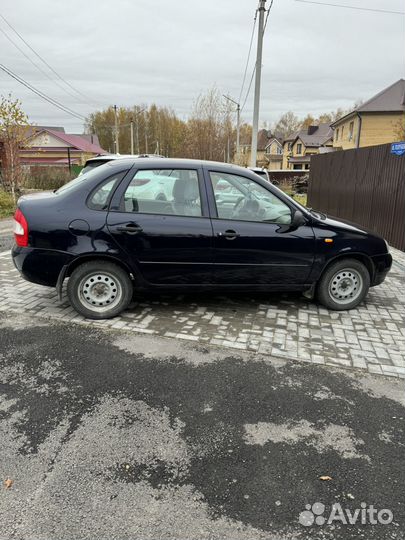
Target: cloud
<point>315,58</point>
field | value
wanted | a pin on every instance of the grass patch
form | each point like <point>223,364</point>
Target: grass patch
<point>301,198</point>
<point>7,206</point>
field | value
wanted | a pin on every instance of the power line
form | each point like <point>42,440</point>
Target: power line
<point>248,57</point>
<point>254,68</point>
<point>267,16</point>
<point>45,62</point>
<point>35,64</point>
<point>351,7</point>
<point>41,94</point>
<point>248,90</point>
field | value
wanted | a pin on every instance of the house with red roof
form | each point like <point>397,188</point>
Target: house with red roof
<point>52,146</point>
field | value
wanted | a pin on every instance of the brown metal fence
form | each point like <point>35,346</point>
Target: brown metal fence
<point>365,186</point>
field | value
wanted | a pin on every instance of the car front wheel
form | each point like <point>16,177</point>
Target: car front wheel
<point>99,289</point>
<point>343,285</point>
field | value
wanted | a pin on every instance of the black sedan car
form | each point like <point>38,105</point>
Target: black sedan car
<point>137,224</point>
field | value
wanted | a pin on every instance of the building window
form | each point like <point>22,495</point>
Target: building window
<point>341,136</point>
<point>289,147</point>
<point>299,148</point>
<point>337,134</point>
<point>351,130</point>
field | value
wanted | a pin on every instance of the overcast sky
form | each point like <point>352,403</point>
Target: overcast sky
<point>315,58</point>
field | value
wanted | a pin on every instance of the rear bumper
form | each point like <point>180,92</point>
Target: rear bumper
<point>382,265</point>
<point>41,266</point>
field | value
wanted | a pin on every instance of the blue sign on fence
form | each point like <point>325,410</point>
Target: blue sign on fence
<point>398,148</point>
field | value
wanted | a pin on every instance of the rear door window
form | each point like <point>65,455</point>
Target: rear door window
<point>163,191</point>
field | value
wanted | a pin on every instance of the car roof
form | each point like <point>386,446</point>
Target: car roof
<point>111,157</point>
<point>183,163</point>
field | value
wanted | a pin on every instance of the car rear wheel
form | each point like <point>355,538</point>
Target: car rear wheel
<point>343,285</point>
<point>99,289</point>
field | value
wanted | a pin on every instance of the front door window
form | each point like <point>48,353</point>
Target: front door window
<point>240,198</point>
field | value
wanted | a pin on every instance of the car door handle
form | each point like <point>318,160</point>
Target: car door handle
<point>229,234</point>
<point>131,228</point>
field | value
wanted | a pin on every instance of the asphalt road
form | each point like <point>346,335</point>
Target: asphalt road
<point>121,436</point>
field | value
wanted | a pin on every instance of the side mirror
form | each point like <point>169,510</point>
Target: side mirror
<point>298,220</point>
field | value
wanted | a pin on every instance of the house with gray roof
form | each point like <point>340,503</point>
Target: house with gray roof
<point>301,145</point>
<point>379,120</point>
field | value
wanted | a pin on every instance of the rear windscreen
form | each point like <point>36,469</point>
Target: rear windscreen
<point>92,165</point>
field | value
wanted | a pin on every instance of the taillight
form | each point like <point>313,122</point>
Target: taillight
<point>20,229</point>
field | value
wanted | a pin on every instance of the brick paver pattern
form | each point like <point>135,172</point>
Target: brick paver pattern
<point>371,337</point>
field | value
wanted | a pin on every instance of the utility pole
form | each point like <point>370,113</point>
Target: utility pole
<point>69,160</point>
<point>146,134</point>
<point>258,77</point>
<point>132,136</point>
<point>117,144</point>
<point>237,123</point>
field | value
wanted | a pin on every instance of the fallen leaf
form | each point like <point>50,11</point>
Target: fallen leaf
<point>350,496</point>
<point>8,483</point>
<point>325,477</point>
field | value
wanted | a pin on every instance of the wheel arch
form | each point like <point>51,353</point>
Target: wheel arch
<point>361,257</point>
<point>97,257</point>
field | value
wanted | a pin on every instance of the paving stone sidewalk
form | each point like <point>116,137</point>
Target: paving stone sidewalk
<point>371,337</point>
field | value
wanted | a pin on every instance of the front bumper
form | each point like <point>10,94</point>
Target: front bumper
<point>382,265</point>
<point>41,266</point>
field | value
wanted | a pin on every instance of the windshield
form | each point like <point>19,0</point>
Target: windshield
<point>316,213</point>
<point>284,194</point>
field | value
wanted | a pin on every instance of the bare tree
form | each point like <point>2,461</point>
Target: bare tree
<point>209,129</point>
<point>287,124</point>
<point>155,128</point>
<point>13,136</point>
<point>399,128</point>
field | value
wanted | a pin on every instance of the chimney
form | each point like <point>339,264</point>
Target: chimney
<point>312,129</point>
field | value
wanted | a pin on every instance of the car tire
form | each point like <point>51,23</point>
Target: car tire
<point>99,289</point>
<point>343,285</point>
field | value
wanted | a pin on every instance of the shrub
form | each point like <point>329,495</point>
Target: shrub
<point>7,206</point>
<point>47,178</point>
